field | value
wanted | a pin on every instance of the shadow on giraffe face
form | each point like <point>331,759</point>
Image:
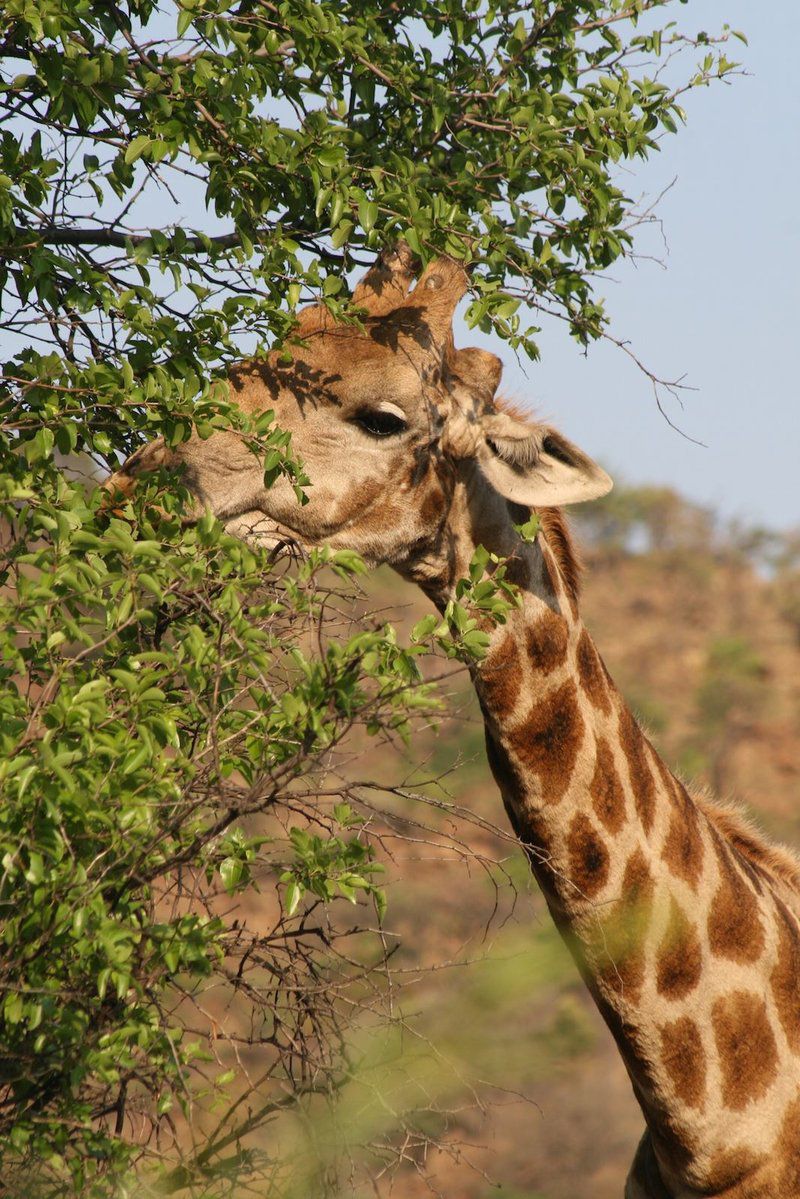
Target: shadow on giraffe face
<point>387,419</point>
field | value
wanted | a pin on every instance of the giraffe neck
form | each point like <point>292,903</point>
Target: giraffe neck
<point>686,947</point>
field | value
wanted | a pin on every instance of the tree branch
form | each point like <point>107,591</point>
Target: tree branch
<point>58,236</point>
<point>195,244</point>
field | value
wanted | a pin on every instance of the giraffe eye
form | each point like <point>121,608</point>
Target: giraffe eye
<point>380,422</point>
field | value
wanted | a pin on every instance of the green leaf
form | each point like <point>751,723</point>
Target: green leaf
<point>292,896</point>
<point>35,872</point>
<point>529,529</point>
<point>367,215</point>
<point>231,871</point>
<point>137,147</point>
<point>185,18</point>
<point>424,628</point>
<point>341,233</point>
<point>40,446</point>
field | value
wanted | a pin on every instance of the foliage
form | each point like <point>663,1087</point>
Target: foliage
<point>161,709</point>
<point>785,562</point>
<point>732,673</point>
<point>313,130</point>
<point>482,600</point>
<point>647,518</point>
<point>729,696</point>
<point>173,181</point>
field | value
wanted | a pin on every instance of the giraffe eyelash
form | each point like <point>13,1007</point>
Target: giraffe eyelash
<point>386,420</point>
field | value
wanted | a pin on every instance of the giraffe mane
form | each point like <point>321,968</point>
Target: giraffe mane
<point>558,535</point>
<point>778,861</point>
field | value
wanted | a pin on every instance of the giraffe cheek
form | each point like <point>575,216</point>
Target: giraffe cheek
<point>432,508</point>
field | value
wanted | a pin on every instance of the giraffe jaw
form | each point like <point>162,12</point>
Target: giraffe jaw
<point>256,528</point>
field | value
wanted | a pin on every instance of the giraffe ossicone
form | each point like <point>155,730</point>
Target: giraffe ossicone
<point>682,921</point>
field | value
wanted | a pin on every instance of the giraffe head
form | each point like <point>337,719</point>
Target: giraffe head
<point>386,420</point>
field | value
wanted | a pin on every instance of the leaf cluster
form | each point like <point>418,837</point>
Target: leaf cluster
<point>161,690</point>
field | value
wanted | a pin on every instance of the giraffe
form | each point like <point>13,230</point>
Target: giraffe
<point>682,921</point>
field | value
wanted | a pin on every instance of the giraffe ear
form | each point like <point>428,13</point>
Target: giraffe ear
<point>535,466</point>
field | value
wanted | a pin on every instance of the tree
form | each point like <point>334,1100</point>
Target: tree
<point>727,702</point>
<point>173,182</point>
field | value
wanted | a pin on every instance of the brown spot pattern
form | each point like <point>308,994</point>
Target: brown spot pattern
<point>635,746</point>
<point>605,789</point>
<point>785,979</point>
<point>673,788</point>
<point>730,1167</point>
<point>679,958</point>
<point>734,925</point>
<point>548,740</point>
<point>534,835</point>
<point>751,872</point>
<point>748,1056</point>
<point>501,677</point>
<point>592,675</point>
<point>683,847</point>
<point>788,1152</point>
<point>527,823</point>
<point>684,1060</point>
<point>546,642</point>
<point>588,857</point>
<point>621,939</point>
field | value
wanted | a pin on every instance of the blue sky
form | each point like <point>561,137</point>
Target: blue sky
<point>723,311</point>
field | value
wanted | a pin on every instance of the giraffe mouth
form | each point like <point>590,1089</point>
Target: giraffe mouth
<point>256,528</point>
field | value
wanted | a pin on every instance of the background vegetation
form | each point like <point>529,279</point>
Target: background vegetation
<point>174,180</point>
